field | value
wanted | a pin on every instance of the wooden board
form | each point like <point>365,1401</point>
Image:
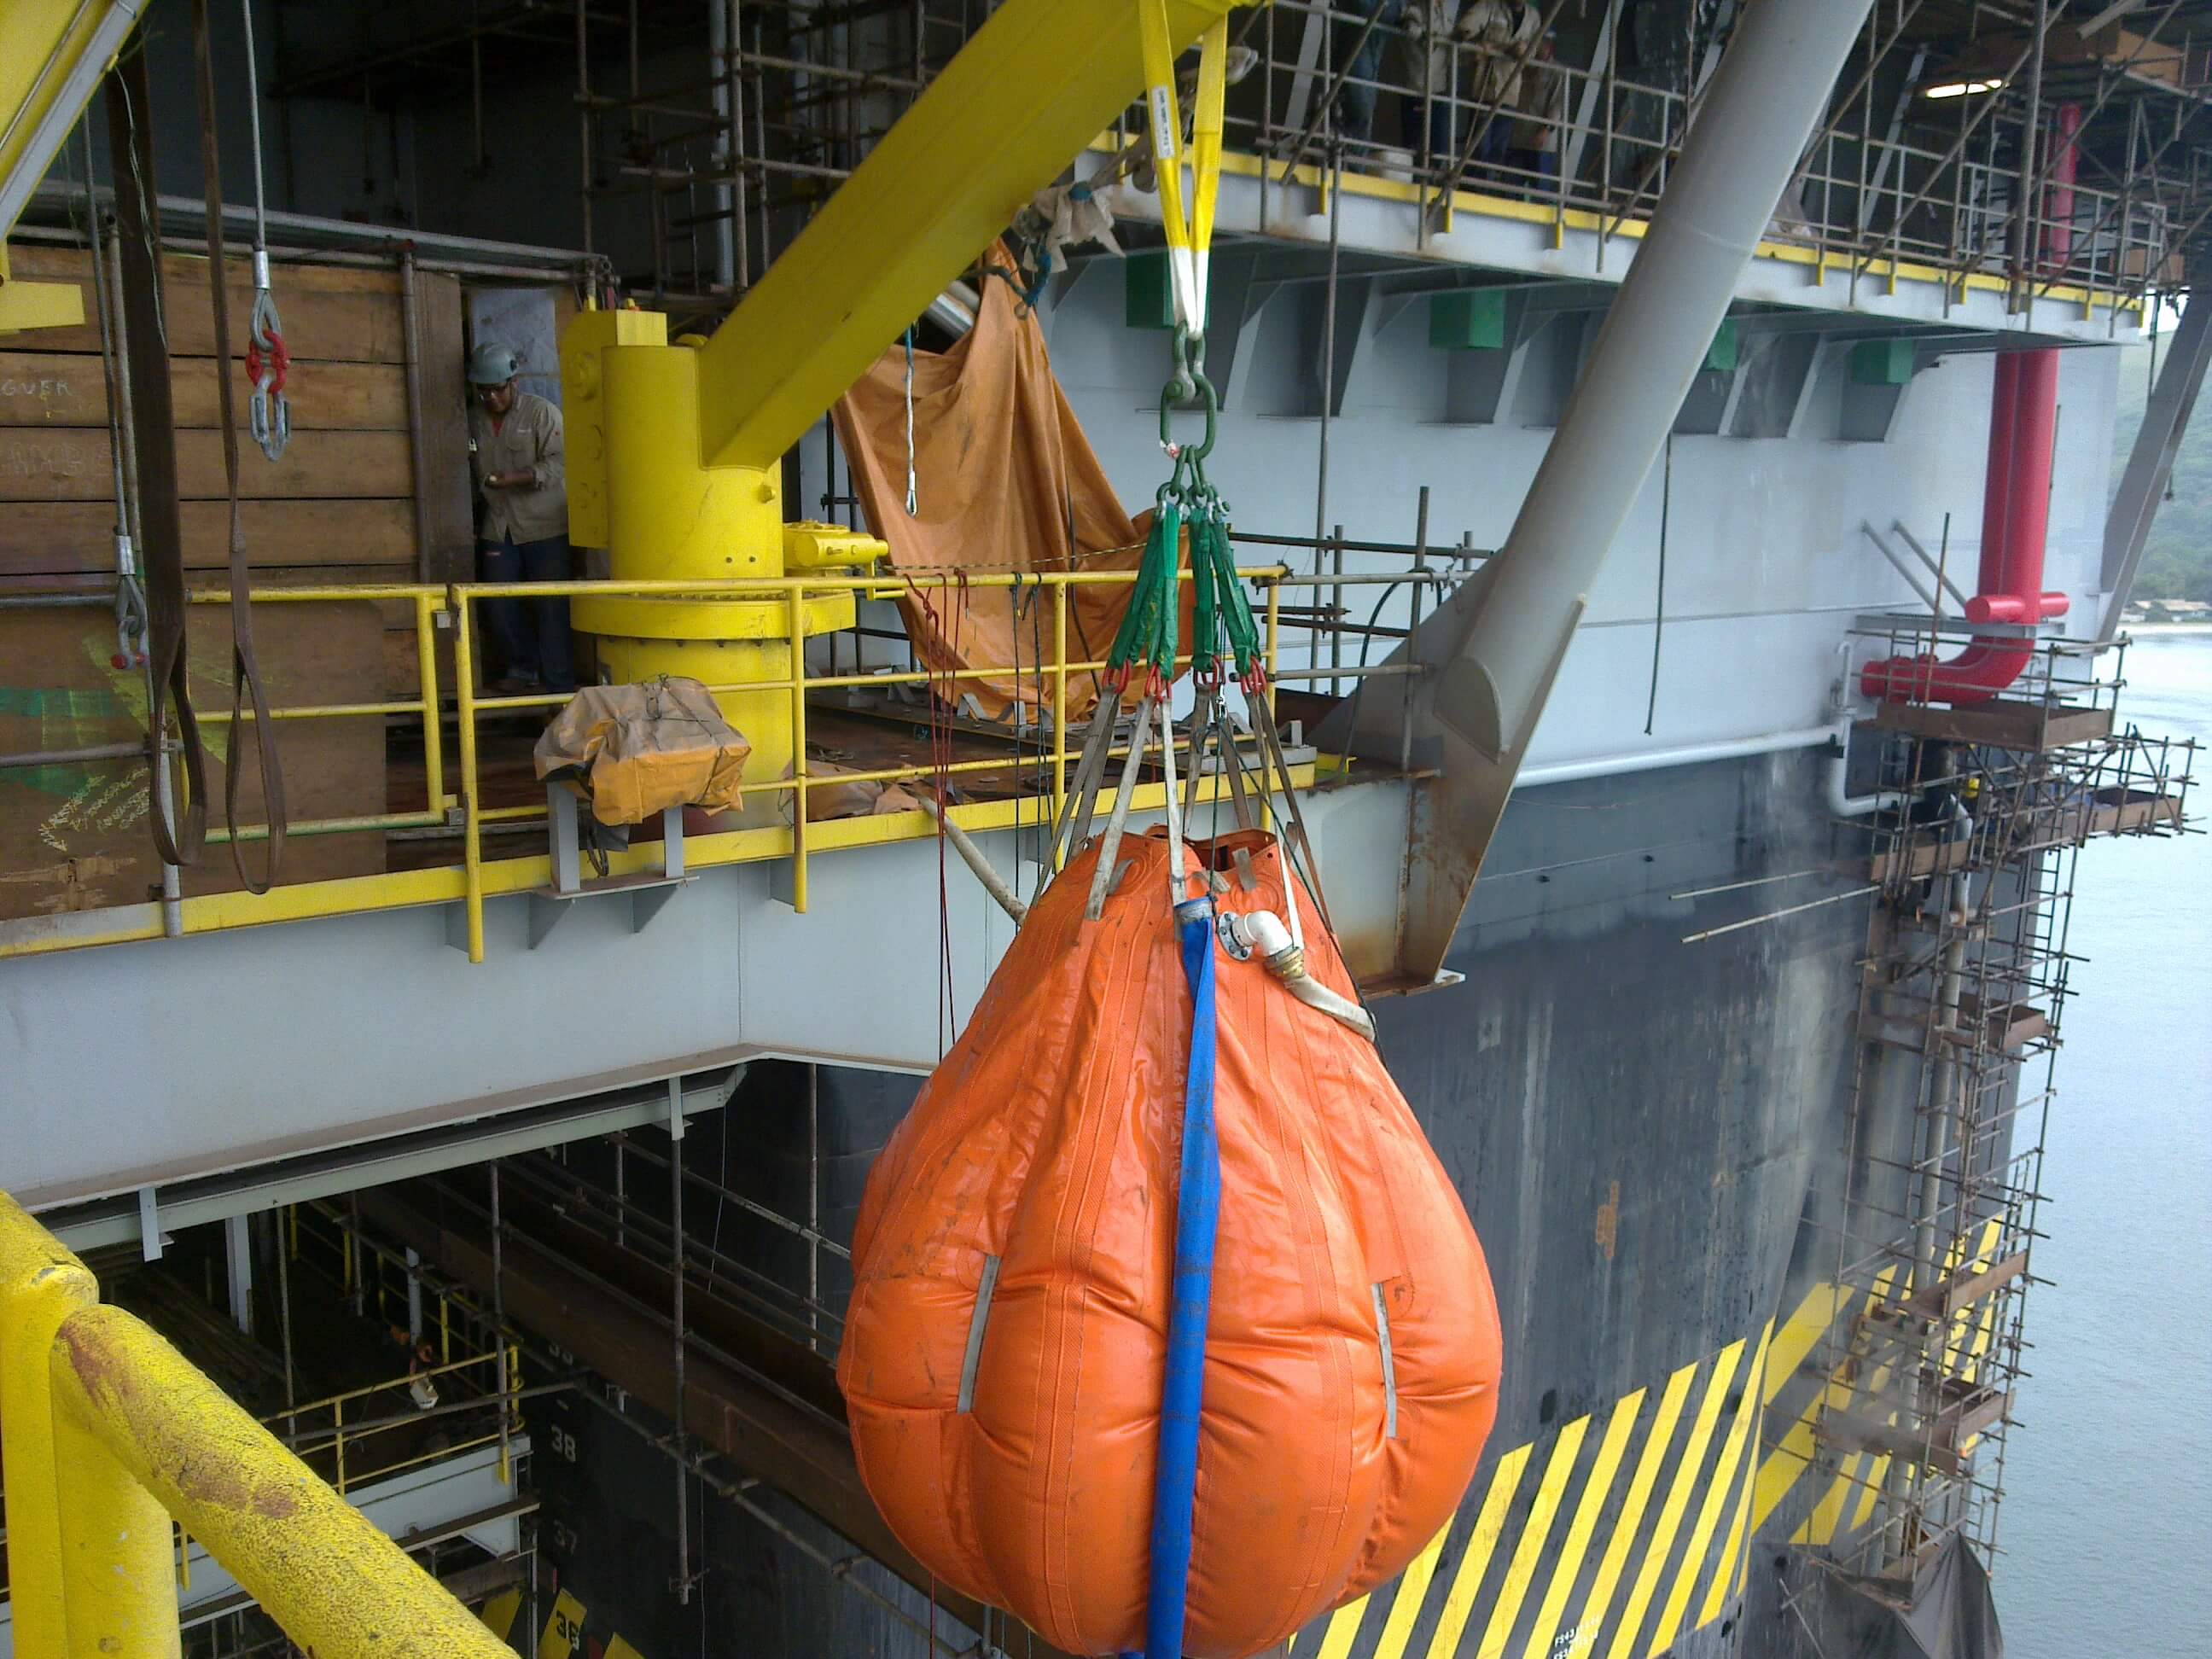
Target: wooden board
<point>72,464</point>
<point>75,836</point>
<point>448,493</point>
<point>2000,723</point>
<point>329,313</point>
<point>65,389</point>
<point>70,538</point>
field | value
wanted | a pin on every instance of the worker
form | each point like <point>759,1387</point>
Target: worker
<point>514,441</point>
<point>1499,34</point>
<point>1535,149</point>
<point>1356,91</point>
<point>1427,60</point>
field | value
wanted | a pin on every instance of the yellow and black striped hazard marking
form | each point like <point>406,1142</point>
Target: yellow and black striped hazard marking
<point>1608,1538</point>
<point>563,1635</point>
<point>1832,1514</point>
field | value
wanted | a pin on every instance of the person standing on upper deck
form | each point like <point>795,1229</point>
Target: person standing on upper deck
<point>1357,87</point>
<point>516,456</point>
<point>1499,34</point>
<point>1426,56</point>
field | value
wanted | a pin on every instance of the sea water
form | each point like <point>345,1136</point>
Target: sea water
<point>2106,1526</point>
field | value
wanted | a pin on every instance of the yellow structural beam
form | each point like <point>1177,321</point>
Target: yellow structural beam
<point>104,1426</point>
<point>52,53</point>
<point>1030,90</point>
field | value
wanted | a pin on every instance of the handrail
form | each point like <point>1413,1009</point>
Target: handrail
<point>1620,138</point>
<point>104,1427</point>
<point>450,609</point>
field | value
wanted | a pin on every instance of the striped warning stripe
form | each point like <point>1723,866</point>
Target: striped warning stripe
<point>1620,1532</point>
<point>1554,1559</point>
<point>1864,1473</point>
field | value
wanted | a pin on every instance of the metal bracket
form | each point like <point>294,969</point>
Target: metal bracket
<point>149,1225</point>
<point>648,894</point>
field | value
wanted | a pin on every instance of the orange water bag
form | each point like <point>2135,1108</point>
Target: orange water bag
<point>1004,1350</point>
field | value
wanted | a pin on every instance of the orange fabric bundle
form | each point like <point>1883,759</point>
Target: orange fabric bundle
<point>1004,1348</point>
<point>1008,481</point>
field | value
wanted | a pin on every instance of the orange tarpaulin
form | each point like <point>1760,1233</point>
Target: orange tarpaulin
<point>1007,482</point>
<point>1013,1266</point>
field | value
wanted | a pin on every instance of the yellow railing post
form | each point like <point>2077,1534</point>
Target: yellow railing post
<point>88,1551</point>
<point>426,667</point>
<point>338,1588</point>
<point>41,1285</point>
<point>465,709</point>
<point>1059,714</point>
<point>797,597</point>
<point>117,1576</point>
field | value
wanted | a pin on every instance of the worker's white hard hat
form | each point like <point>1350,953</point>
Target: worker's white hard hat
<point>492,365</point>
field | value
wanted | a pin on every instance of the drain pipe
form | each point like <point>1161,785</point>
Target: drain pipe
<point>1772,84</point>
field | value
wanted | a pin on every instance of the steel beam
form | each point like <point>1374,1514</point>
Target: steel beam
<point>801,1452</point>
<point>244,1192</point>
<point>1031,88</point>
<point>2150,462</point>
<point>1511,630</point>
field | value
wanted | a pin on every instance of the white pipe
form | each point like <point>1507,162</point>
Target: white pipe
<point>1272,942</point>
<point>1772,85</point>
<point>1836,737</point>
<point>1654,760</point>
<point>1852,806</point>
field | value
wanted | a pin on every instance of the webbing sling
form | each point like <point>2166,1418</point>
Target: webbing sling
<point>154,438</point>
<point>245,672</point>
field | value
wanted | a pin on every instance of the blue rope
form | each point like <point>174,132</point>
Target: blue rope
<point>1198,1206</point>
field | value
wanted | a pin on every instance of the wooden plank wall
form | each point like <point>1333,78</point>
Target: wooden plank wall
<point>338,505</point>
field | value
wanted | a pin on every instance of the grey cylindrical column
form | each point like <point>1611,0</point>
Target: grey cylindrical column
<point>1772,84</point>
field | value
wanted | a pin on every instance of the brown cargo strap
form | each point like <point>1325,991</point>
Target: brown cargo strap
<point>144,359</point>
<point>246,672</point>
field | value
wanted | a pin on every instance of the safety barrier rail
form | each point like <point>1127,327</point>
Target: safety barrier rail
<point>455,783</point>
<point>1591,149</point>
<point>105,1431</point>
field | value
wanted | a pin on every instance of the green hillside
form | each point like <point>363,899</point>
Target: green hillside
<point>2178,562</point>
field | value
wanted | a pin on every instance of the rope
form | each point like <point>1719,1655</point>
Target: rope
<point>913,503</point>
<point>268,361</point>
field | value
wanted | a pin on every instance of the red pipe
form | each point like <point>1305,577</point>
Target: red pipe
<point>2015,504</point>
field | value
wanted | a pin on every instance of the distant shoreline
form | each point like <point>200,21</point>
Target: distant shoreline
<point>2142,628</point>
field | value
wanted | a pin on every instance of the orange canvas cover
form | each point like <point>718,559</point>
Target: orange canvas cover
<point>1042,1156</point>
<point>1007,482</point>
<point>638,750</point>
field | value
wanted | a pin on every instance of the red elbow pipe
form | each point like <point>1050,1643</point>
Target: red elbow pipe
<point>2016,504</point>
<point>2015,515</point>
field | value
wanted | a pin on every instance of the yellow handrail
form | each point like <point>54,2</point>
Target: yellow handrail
<point>104,1426</point>
<point>479,879</point>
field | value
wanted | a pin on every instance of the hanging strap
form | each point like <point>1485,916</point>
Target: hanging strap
<point>145,361</point>
<point>1188,222</point>
<point>246,672</point>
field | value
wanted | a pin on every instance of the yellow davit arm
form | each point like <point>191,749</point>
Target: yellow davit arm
<point>52,53</point>
<point>1036,83</point>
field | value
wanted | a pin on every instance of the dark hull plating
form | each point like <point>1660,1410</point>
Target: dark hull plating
<point>1651,1136</point>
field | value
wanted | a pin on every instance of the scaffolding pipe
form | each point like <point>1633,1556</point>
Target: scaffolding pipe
<point>1771,88</point>
<point>721,37</point>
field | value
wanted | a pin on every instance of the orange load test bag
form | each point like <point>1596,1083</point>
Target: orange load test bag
<point>1005,1346</point>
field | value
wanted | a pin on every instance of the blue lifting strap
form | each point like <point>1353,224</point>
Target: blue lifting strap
<point>1198,1205</point>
